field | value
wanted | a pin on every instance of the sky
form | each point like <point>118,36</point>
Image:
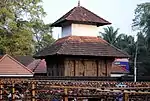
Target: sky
<point>119,12</point>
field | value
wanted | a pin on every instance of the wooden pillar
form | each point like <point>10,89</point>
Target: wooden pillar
<point>97,68</point>
<point>126,97</point>
<point>66,94</point>
<point>106,67</point>
<point>74,63</point>
<point>33,92</point>
<point>13,92</point>
<point>1,91</point>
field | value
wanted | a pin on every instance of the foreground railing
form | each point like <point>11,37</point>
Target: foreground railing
<point>47,90</point>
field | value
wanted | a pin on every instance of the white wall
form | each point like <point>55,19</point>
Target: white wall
<point>84,30</point>
<point>80,30</point>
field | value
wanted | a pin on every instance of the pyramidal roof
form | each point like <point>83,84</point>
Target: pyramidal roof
<point>81,46</point>
<point>80,15</point>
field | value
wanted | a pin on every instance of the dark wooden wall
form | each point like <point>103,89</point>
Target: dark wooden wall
<point>55,67</point>
<point>85,67</point>
<point>79,67</point>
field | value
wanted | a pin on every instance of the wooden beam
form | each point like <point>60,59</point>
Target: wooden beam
<point>13,92</point>
<point>1,92</point>
<point>126,97</point>
<point>97,67</point>
<point>33,92</point>
<point>74,63</point>
<point>106,67</point>
<point>110,88</point>
<point>66,94</point>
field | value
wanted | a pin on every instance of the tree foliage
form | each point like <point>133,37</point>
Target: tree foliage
<point>111,35</point>
<point>129,45</point>
<point>141,21</point>
<point>42,35</point>
<point>122,41</point>
<point>17,25</point>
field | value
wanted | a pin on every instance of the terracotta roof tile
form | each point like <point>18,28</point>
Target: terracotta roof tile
<point>10,66</point>
<point>35,65</point>
<point>82,45</point>
<point>80,14</point>
<point>118,69</point>
<point>38,66</point>
<point>25,60</point>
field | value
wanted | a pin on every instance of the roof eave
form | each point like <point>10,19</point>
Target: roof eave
<point>58,23</point>
<point>61,23</point>
<point>61,54</point>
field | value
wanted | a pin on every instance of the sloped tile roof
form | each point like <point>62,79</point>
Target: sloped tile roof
<point>25,60</point>
<point>82,46</point>
<point>82,15</point>
<point>10,66</point>
<point>35,65</point>
<point>118,69</point>
<point>38,66</point>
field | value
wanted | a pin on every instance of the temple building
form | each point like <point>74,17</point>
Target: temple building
<point>79,52</point>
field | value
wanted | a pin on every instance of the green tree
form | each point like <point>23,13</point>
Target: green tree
<point>42,35</point>
<point>143,55</point>
<point>110,35</point>
<point>141,21</point>
<point>125,42</point>
<point>121,41</point>
<point>16,32</point>
<point>17,44</point>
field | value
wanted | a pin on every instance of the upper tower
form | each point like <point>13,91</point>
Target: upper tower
<point>79,21</point>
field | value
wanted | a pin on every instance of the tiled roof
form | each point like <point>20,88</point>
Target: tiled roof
<point>25,60</point>
<point>82,15</point>
<point>82,46</point>
<point>118,69</point>
<point>35,65</point>
<point>38,66</point>
<point>10,66</point>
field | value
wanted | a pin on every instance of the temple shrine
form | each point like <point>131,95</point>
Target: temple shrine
<point>79,66</point>
<point>79,52</point>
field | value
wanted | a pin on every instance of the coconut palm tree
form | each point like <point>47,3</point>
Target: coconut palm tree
<point>110,35</point>
<point>125,42</point>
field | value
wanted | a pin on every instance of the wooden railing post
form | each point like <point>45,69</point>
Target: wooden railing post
<point>1,91</point>
<point>33,92</point>
<point>13,92</point>
<point>126,97</point>
<point>66,94</point>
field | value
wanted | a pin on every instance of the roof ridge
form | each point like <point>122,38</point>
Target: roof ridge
<point>37,65</point>
<point>63,16</point>
<point>72,11</point>
<point>103,40</point>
